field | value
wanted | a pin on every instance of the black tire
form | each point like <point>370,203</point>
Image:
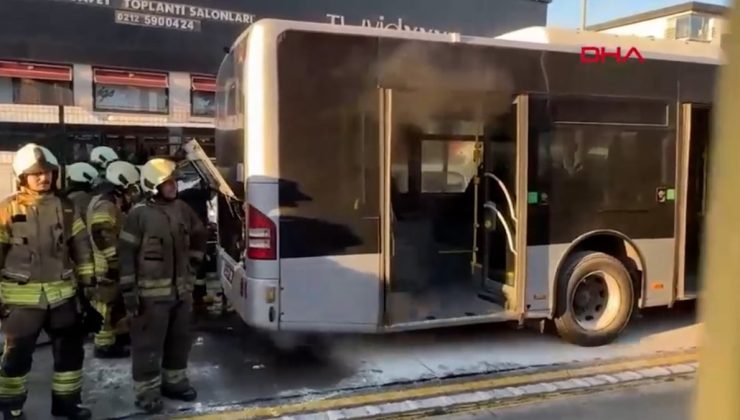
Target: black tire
<point>576,269</point>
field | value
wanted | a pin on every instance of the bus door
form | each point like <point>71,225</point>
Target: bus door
<point>499,216</point>
<point>695,139</point>
<point>433,149</point>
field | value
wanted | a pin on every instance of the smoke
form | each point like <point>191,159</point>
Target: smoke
<point>432,83</point>
<point>443,82</point>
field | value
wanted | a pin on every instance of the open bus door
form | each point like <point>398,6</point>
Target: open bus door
<point>230,270</point>
<point>696,133</point>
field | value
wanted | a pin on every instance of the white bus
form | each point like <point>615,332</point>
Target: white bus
<point>379,181</point>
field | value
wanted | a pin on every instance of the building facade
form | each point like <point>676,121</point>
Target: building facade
<point>139,74</point>
<point>692,21</point>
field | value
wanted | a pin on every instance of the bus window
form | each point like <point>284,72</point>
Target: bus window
<point>447,166</point>
<point>603,176</point>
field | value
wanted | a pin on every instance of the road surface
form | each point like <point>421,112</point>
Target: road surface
<point>655,401</point>
<point>231,365</point>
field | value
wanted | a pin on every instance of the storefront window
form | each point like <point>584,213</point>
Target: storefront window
<point>203,96</point>
<point>130,99</point>
<point>131,91</point>
<point>35,84</point>
<point>203,104</point>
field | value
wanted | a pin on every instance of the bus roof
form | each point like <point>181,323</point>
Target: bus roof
<point>532,38</point>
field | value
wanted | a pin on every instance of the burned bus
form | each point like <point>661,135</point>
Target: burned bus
<point>377,181</point>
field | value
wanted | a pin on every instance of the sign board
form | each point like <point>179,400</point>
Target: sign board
<point>191,35</point>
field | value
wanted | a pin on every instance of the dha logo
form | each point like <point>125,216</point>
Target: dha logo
<point>599,55</point>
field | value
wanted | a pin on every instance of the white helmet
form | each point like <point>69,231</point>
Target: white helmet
<point>33,158</point>
<point>102,156</point>
<point>155,172</point>
<point>81,172</point>
<point>122,174</point>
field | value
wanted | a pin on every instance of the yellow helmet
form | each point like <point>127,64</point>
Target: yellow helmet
<point>33,158</point>
<point>122,174</point>
<point>155,172</point>
<point>102,156</point>
<point>81,172</point>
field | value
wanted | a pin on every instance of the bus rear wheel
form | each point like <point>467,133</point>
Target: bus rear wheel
<point>595,299</point>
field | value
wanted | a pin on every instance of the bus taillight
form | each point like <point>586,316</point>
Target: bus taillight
<point>261,236</point>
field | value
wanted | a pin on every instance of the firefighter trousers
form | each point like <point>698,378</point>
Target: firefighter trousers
<point>21,328</point>
<point>112,330</point>
<point>160,346</point>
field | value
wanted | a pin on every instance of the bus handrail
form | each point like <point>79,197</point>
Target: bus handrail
<point>509,237</point>
<point>506,194</point>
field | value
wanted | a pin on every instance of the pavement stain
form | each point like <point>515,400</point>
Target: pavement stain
<point>235,366</point>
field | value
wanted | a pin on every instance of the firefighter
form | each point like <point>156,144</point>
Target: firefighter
<point>45,258</point>
<point>80,177</point>
<point>161,245</point>
<point>100,158</point>
<point>104,219</point>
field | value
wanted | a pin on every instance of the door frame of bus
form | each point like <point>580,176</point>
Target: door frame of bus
<point>385,99</point>
<point>522,186</point>
<point>683,159</point>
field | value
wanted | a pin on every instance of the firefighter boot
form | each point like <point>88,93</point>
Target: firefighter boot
<point>183,392</point>
<point>14,415</point>
<point>150,402</point>
<point>69,406</point>
<point>114,351</point>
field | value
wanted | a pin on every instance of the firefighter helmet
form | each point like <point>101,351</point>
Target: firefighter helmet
<point>81,172</point>
<point>102,156</point>
<point>155,172</point>
<point>32,159</point>
<point>122,174</point>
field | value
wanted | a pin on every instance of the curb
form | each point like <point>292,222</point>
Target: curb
<point>446,396</point>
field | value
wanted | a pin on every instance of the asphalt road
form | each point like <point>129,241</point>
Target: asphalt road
<point>231,365</point>
<point>655,401</point>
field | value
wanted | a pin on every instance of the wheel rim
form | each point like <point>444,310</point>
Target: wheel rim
<point>596,300</point>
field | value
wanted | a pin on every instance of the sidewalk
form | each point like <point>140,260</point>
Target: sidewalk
<point>475,394</point>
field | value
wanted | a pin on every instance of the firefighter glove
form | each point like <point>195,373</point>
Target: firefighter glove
<point>131,302</point>
<point>92,321</point>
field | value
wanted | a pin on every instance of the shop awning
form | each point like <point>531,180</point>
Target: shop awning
<point>35,71</point>
<point>203,84</point>
<point>131,78</point>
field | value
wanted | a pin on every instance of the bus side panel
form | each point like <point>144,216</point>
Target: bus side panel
<point>329,186</point>
<point>660,264</point>
<point>542,270</point>
<point>542,265</point>
<point>330,290</point>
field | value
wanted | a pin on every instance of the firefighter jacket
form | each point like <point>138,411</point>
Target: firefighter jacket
<point>104,219</point>
<point>160,246</point>
<point>44,250</point>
